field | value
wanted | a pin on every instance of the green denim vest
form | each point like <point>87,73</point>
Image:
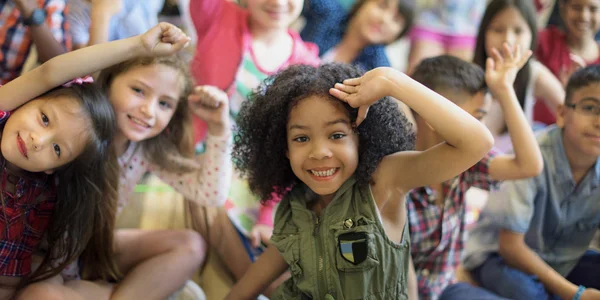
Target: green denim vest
<point>343,254</point>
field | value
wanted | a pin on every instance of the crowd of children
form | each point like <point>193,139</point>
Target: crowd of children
<point>323,185</point>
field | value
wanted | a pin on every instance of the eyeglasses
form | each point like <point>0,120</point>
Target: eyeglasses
<point>588,108</point>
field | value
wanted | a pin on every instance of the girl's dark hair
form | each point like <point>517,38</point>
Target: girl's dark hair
<point>525,7</point>
<point>177,139</point>
<point>83,220</point>
<point>405,8</point>
<point>261,144</point>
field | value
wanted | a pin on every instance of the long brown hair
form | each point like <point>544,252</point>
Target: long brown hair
<point>83,220</point>
<point>170,147</point>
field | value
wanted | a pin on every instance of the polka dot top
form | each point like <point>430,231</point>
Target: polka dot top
<point>207,185</point>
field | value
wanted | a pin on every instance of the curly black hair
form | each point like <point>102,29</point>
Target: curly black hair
<point>261,143</point>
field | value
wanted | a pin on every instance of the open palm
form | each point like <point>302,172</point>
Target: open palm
<point>501,68</point>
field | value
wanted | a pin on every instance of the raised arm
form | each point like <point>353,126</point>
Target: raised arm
<point>163,39</point>
<point>467,140</point>
<point>501,71</point>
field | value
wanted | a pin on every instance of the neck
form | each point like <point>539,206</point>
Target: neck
<point>580,45</point>
<point>264,35</point>
<point>426,138</point>
<point>120,143</point>
<point>580,163</point>
<point>350,47</point>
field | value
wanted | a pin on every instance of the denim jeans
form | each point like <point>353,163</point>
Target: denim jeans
<point>500,282</point>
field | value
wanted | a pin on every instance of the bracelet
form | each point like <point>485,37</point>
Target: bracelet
<point>579,292</point>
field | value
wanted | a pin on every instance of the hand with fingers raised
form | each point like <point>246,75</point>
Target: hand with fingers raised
<point>576,62</point>
<point>363,91</point>
<point>164,39</point>
<point>501,68</point>
<point>211,104</point>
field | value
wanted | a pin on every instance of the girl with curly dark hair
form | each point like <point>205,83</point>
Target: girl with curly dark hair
<point>340,230</point>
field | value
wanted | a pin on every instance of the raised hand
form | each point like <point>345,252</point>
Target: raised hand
<point>576,63</point>
<point>211,104</point>
<point>362,92</point>
<point>260,233</point>
<point>164,39</point>
<point>501,68</point>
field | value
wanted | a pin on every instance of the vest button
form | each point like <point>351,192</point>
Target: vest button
<point>329,297</point>
<point>348,223</point>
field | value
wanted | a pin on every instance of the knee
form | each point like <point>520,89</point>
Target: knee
<point>42,290</point>
<point>192,245</point>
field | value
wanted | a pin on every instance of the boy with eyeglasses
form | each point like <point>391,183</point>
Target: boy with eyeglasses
<point>532,241</point>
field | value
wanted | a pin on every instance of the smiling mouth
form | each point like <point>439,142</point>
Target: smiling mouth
<point>21,145</point>
<point>324,173</point>
<point>138,121</point>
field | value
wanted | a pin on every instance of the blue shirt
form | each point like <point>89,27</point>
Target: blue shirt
<point>326,23</point>
<point>557,217</point>
<point>135,17</point>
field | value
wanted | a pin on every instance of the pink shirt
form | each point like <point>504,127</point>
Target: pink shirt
<point>223,38</point>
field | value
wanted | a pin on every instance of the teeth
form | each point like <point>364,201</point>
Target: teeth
<point>139,122</point>
<point>324,173</point>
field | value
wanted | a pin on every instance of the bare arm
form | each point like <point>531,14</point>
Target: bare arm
<point>548,87</point>
<point>467,140</point>
<point>413,287</point>
<point>501,71</point>
<point>269,266</point>
<point>101,13</point>
<point>163,39</point>
<point>46,44</point>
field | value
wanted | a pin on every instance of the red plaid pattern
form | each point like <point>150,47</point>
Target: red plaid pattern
<point>28,201</point>
<point>15,41</point>
<point>437,235</point>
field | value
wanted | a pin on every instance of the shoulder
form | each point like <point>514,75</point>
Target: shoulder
<point>304,52</point>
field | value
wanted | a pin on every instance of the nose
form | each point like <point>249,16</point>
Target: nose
<point>38,140</point>
<point>320,150</point>
<point>148,109</point>
<point>510,37</point>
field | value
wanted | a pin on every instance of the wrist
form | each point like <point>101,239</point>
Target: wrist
<point>579,292</point>
<point>218,129</point>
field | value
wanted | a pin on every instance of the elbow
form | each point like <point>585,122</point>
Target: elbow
<point>536,167</point>
<point>484,141</point>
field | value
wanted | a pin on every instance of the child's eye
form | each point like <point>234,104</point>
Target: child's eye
<point>57,150</point>
<point>45,119</point>
<point>300,139</point>
<point>165,104</point>
<point>337,136</point>
<point>137,90</point>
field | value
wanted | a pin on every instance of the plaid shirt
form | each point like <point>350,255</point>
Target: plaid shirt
<point>437,235</point>
<point>28,201</point>
<point>15,40</point>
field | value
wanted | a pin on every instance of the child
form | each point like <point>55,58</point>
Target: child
<point>54,150</point>
<point>370,24</point>
<point>238,48</point>
<point>513,22</point>
<point>563,52</point>
<point>150,97</point>
<point>445,27</point>
<point>436,213</point>
<point>533,236</point>
<point>344,169</point>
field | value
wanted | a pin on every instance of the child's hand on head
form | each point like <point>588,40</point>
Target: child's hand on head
<point>211,104</point>
<point>109,7</point>
<point>501,68</point>
<point>164,39</point>
<point>576,62</point>
<point>261,233</point>
<point>362,92</point>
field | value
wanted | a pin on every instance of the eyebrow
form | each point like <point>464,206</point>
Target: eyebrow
<point>594,99</point>
<point>169,97</point>
<point>54,118</point>
<point>330,123</point>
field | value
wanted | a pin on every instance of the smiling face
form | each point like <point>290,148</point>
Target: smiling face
<point>581,17</point>
<point>145,99</point>
<point>274,14</point>
<point>582,130</point>
<point>378,21</point>
<point>322,146</point>
<point>45,134</point>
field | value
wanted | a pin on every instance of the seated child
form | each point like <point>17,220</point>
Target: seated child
<point>533,236</point>
<point>331,230</point>
<point>436,213</point>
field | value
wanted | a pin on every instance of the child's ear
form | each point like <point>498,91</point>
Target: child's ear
<point>49,172</point>
<point>561,111</point>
